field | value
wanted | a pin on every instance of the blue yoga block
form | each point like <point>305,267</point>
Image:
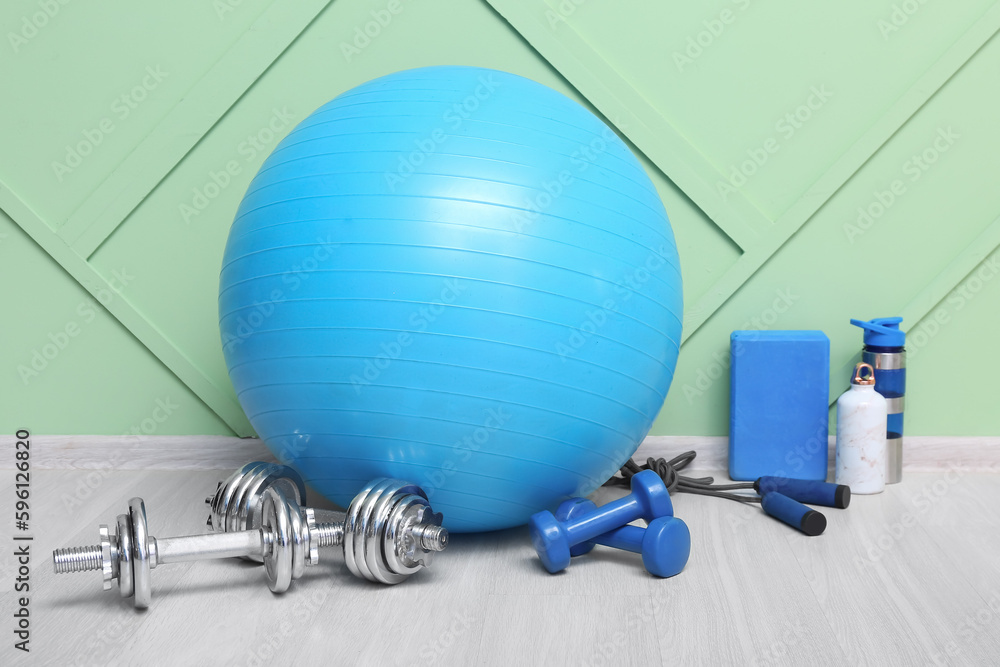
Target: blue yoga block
<point>779,404</point>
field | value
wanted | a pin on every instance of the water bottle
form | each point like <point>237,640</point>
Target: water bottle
<point>861,429</point>
<point>885,353</point>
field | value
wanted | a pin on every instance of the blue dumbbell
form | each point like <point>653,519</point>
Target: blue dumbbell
<point>553,538</point>
<point>665,544</point>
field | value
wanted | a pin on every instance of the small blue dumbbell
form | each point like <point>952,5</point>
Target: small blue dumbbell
<point>665,544</point>
<point>553,538</point>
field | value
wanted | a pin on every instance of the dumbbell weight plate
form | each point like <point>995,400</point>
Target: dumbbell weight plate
<point>238,504</point>
<point>367,514</point>
<point>140,553</point>
<point>285,560</point>
<point>125,582</point>
<point>406,556</point>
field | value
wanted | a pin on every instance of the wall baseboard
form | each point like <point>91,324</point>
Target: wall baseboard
<point>185,452</point>
<point>142,452</point>
<point>921,453</point>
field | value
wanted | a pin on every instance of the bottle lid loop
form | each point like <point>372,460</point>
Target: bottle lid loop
<point>860,377</point>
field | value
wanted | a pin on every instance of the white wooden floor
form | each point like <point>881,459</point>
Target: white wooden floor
<point>911,576</point>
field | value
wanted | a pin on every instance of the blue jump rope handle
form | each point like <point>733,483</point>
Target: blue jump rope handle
<point>805,491</point>
<point>794,513</point>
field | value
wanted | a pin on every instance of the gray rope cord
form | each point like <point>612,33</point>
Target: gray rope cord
<point>669,473</point>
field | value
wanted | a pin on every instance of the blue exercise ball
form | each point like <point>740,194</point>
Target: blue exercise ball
<point>457,277</point>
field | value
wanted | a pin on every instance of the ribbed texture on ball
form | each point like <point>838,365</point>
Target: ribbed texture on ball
<point>456,277</point>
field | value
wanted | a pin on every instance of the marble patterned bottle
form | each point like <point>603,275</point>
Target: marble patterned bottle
<point>861,438</point>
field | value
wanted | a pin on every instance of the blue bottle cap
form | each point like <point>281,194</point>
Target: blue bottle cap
<point>882,331</point>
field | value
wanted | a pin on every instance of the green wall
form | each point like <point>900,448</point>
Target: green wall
<point>130,130</point>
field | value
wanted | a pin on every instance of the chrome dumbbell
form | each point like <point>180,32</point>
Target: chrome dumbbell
<point>285,541</point>
<point>388,533</point>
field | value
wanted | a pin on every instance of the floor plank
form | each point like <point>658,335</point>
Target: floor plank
<point>908,576</point>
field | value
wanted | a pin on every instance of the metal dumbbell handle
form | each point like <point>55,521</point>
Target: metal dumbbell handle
<point>287,539</point>
<point>388,532</point>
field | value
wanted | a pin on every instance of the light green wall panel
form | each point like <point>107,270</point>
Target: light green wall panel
<point>896,84</point>
<point>95,82</point>
<point>732,76</point>
<point>155,196</point>
<point>71,368</point>
<point>833,269</point>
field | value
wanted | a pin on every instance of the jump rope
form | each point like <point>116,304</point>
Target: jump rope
<point>779,497</point>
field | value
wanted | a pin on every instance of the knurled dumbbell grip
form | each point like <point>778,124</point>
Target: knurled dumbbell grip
<point>329,516</point>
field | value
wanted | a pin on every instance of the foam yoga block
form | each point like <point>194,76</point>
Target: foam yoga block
<point>778,404</point>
